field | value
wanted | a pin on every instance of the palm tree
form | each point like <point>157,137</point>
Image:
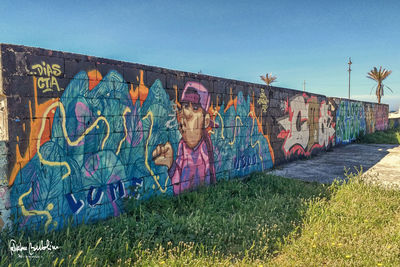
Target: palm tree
<point>268,79</point>
<point>379,76</point>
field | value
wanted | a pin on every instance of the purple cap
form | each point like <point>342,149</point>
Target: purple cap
<point>196,93</point>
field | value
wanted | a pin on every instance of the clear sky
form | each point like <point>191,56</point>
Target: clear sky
<point>295,40</point>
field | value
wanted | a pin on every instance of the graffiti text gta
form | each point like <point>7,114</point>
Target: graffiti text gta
<point>48,73</point>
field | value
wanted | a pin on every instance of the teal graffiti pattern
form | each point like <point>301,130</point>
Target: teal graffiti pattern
<point>110,163</point>
<point>350,121</point>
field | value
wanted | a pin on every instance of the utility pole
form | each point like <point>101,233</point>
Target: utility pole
<point>349,73</point>
<point>304,86</point>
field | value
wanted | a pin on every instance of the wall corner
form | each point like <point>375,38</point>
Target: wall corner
<point>4,189</point>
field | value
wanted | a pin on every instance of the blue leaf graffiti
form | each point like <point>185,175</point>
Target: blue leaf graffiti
<point>101,146</point>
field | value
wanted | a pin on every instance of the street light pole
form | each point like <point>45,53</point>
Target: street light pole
<point>349,73</point>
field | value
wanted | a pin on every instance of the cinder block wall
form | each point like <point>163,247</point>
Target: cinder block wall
<point>81,133</point>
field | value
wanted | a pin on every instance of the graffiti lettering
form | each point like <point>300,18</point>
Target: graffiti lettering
<point>370,118</point>
<point>75,206</point>
<point>94,200</point>
<point>244,161</point>
<point>263,101</point>
<point>114,187</point>
<point>326,125</point>
<point>95,195</point>
<point>48,76</point>
<point>381,117</point>
<point>46,69</point>
<point>86,145</point>
<point>350,121</point>
<point>308,125</point>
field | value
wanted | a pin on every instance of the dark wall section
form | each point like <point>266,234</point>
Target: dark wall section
<point>85,132</point>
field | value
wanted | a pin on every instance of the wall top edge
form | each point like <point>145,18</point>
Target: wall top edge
<point>76,56</point>
<point>355,100</point>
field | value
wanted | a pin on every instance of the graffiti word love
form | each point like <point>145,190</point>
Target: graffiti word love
<point>47,81</point>
<point>95,195</point>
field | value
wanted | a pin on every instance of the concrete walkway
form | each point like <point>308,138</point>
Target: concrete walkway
<point>380,162</point>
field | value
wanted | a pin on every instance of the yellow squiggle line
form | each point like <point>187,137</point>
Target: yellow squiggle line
<point>26,212</point>
<point>222,122</point>
<point>88,130</point>
<point>127,109</point>
<point>71,143</point>
<point>234,131</point>
<point>42,160</point>
<point>156,178</point>
<point>258,142</point>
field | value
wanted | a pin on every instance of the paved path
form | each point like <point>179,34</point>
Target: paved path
<point>381,161</point>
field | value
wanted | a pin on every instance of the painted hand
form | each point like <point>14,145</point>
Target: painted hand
<point>163,155</point>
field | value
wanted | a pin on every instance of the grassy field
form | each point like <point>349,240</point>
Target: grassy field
<point>261,220</point>
<point>358,226</point>
<point>391,136</point>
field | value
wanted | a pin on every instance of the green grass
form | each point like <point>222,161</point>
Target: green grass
<point>233,221</point>
<point>391,136</point>
<point>358,226</point>
<point>262,220</point>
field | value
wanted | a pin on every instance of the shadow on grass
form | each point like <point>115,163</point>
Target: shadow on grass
<point>236,217</point>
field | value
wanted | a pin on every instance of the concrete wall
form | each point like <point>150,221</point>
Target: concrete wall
<point>354,118</point>
<point>85,132</point>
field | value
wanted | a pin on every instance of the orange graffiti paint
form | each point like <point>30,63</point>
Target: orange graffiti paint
<point>134,95</point>
<point>176,96</point>
<point>231,102</point>
<point>253,115</point>
<point>35,124</point>
<point>140,91</point>
<point>94,78</point>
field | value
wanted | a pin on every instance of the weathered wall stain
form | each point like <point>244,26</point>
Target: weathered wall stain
<point>84,133</point>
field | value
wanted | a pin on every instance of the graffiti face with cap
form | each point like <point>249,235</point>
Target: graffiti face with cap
<point>192,116</point>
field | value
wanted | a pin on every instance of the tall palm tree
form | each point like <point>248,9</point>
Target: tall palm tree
<point>379,76</point>
<point>268,78</point>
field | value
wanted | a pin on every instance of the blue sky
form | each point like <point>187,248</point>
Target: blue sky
<point>295,40</point>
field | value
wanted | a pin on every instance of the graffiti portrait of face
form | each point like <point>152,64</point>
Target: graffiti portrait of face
<point>192,121</point>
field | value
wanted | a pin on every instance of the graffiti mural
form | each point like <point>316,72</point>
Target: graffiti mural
<point>369,117</point>
<point>240,145</point>
<point>101,142</point>
<point>308,125</point>
<point>381,117</point>
<point>82,134</point>
<point>350,121</point>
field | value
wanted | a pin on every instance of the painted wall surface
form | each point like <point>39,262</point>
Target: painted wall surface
<point>84,133</point>
<point>394,123</point>
<point>354,118</point>
<point>350,121</point>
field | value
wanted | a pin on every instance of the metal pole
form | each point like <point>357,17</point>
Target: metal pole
<point>304,86</point>
<point>349,73</point>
